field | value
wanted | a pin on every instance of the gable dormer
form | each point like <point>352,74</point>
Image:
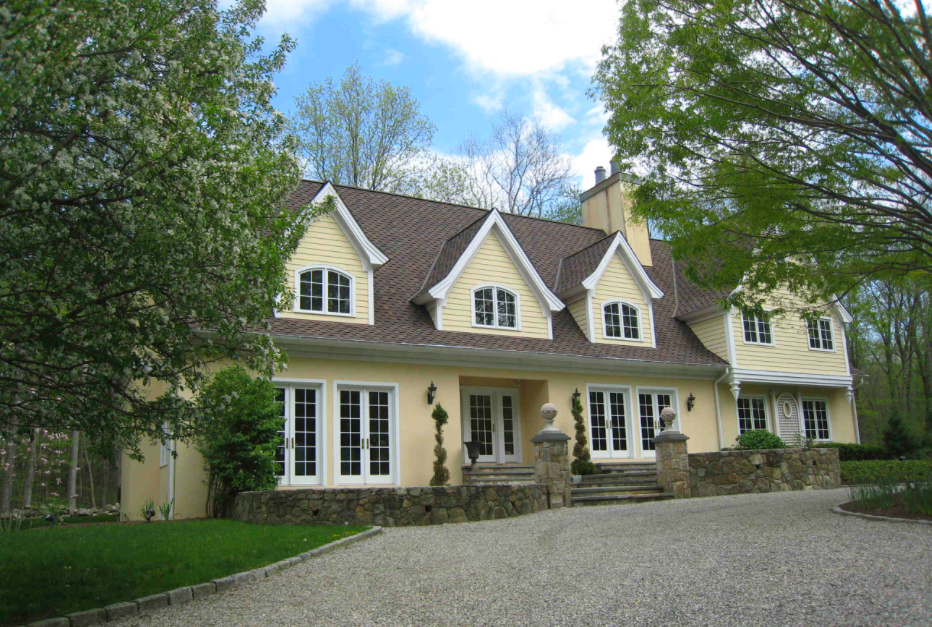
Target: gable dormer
<point>482,281</point>
<point>331,271</point>
<point>609,293</point>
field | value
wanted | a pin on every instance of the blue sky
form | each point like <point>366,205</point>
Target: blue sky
<point>463,61</point>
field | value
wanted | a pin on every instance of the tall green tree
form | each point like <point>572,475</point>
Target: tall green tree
<point>767,130</point>
<point>360,132</point>
<point>142,174</point>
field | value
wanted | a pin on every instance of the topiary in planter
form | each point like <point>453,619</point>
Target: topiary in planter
<point>582,465</point>
<point>441,472</point>
<point>759,439</point>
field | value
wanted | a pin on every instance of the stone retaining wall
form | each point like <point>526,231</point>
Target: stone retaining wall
<point>770,470</point>
<point>389,507</point>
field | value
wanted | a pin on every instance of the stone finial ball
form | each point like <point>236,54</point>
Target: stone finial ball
<point>548,411</point>
<point>667,414</point>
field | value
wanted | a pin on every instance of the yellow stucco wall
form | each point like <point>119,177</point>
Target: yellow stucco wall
<point>617,283</point>
<point>492,265</point>
<point>790,352</point>
<point>325,243</point>
<point>139,481</point>
<point>711,333</point>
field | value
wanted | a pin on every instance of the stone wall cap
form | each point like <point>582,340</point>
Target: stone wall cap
<point>668,436</point>
<point>550,436</point>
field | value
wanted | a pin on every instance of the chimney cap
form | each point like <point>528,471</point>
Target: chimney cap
<point>599,175</point>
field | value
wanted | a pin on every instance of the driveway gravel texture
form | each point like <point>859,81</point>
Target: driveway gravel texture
<point>751,560</point>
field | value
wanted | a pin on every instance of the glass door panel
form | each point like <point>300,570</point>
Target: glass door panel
<point>281,451</point>
<point>509,419</point>
<point>608,424</point>
<point>304,431</point>
<point>378,439</point>
<point>351,436</point>
<point>650,404</point>
<point>616,403</point>
<point>366,437</point>
<point>482,426</point>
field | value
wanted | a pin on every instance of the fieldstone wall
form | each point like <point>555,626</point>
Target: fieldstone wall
<point>389,507</point>
<point>770,470</point>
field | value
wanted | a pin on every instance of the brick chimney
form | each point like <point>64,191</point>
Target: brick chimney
<point>607,206</point>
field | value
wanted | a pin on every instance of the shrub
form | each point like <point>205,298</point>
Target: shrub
<point>758,439</point>
<point>849,452</point>
<point>240,436</point>
<point>874,471</point>
<point>441,472</point>
<point>582,465</point>
<point>896,436</point>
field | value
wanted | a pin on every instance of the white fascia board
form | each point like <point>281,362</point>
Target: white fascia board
<point>368,251</point>
<point>620,245</point>
<point>841,311</point>
<point>548,300</point>
<point>790,378</point>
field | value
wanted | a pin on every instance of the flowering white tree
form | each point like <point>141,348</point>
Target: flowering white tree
<point>142,175</point>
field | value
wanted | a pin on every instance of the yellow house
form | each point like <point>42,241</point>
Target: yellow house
<point>399,299</point>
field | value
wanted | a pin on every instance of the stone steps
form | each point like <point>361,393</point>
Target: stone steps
<point>620,484</point>
<point>628,499</point>
<point>617,490</point>
<point>626,467</point>
<point>492,474</point>
<point>617,479</point>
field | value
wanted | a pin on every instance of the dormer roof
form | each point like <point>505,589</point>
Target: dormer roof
<point>369,253</point>
<point>582,271</point>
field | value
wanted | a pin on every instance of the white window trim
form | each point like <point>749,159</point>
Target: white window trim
<point>767,421</point>
<point>497,394</point>
<point>831,326</point>
<point>620,301</point>
<point>744,336</point>
<point>321,385</point>
<point>324,312</point>
<point>629,420</point>
<point>828,415</point>
<point>494,286</point>
<point>636,401</point>
<point>396,432</point>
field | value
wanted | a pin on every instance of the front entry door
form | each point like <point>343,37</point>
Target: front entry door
<point>365,436</point>
<point>609,430</point>
<point>491,418</point>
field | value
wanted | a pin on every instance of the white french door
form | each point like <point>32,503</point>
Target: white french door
<point>491,417</point>
<point>298,456</point>
<point>609,423</point>
<point>365,432</point>
<point>650,404</point>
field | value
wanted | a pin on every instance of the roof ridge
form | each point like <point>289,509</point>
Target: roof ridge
<point>452,204</point>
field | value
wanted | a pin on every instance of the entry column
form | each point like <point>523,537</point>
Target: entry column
<point>552,460</point>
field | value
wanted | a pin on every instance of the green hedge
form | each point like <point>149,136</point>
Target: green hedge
<point>876,470</point>
<point>856,452</point>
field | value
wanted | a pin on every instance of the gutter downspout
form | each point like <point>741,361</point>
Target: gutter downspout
<point>171,480</point>
<point>854,407</point>
<point>718,409</point>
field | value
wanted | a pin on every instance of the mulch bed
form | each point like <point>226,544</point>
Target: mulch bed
<point>897,511</point>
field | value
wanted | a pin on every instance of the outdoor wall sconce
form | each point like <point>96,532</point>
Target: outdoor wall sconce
<point>576,394</point>
<point>431,393</point>
<point>690,402</point>
<point>472,451</point>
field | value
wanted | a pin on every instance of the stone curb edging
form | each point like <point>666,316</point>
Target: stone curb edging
<point>189,593</point>
<point>838,510</point>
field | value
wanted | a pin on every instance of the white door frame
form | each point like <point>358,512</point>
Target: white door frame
<point>675,401</point>
<point>498,422</point>
<point>611,453</point>
<point>289,385</point>
<point>394,435</point>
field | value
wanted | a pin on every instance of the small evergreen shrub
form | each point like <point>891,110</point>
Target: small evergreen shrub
<point>441,472</point>
<point>897,438</point>
<point>582,464</point>
<point>759,439</point>
<point>850,452</point>
<point>240,436</point>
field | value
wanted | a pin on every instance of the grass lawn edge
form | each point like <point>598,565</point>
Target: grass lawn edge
<point>838,510</point>
<point>193,592</point>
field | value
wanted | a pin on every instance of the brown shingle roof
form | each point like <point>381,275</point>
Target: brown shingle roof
<point>575,268</point>
<point>411,232</point>
<point>450,252</point>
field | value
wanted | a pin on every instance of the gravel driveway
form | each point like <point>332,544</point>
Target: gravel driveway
<point>752,560</point>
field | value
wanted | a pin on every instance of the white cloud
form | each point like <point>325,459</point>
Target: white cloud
<point>512,38</point>
<point>552,116</point>
<point>595,153</point>
<point>489,103</point>
<point>392,57</point>
<point>597,115</point>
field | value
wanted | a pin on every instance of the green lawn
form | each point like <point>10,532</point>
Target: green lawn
<point>51,572</point>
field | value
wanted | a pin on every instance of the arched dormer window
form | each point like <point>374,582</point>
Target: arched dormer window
<point>326,290</point>
<point>495,307</point>
<point>622,321</point>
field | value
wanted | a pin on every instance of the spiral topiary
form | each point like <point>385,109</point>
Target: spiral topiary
<point>441,472</point>
<point>582,465</point>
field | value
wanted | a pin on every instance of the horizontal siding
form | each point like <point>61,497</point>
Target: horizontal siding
<point>491,264</point>
<point>618,283</point>
<point>578,310</point>
<point>324,242</point>
<point>711,333</point>
<point>791,352</point>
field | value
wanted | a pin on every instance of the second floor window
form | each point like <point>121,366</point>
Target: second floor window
<point>622,321</point>
<point>757,330</point>
<point>820,334</point>
<point>495,307</point>
<point>325,291</point>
